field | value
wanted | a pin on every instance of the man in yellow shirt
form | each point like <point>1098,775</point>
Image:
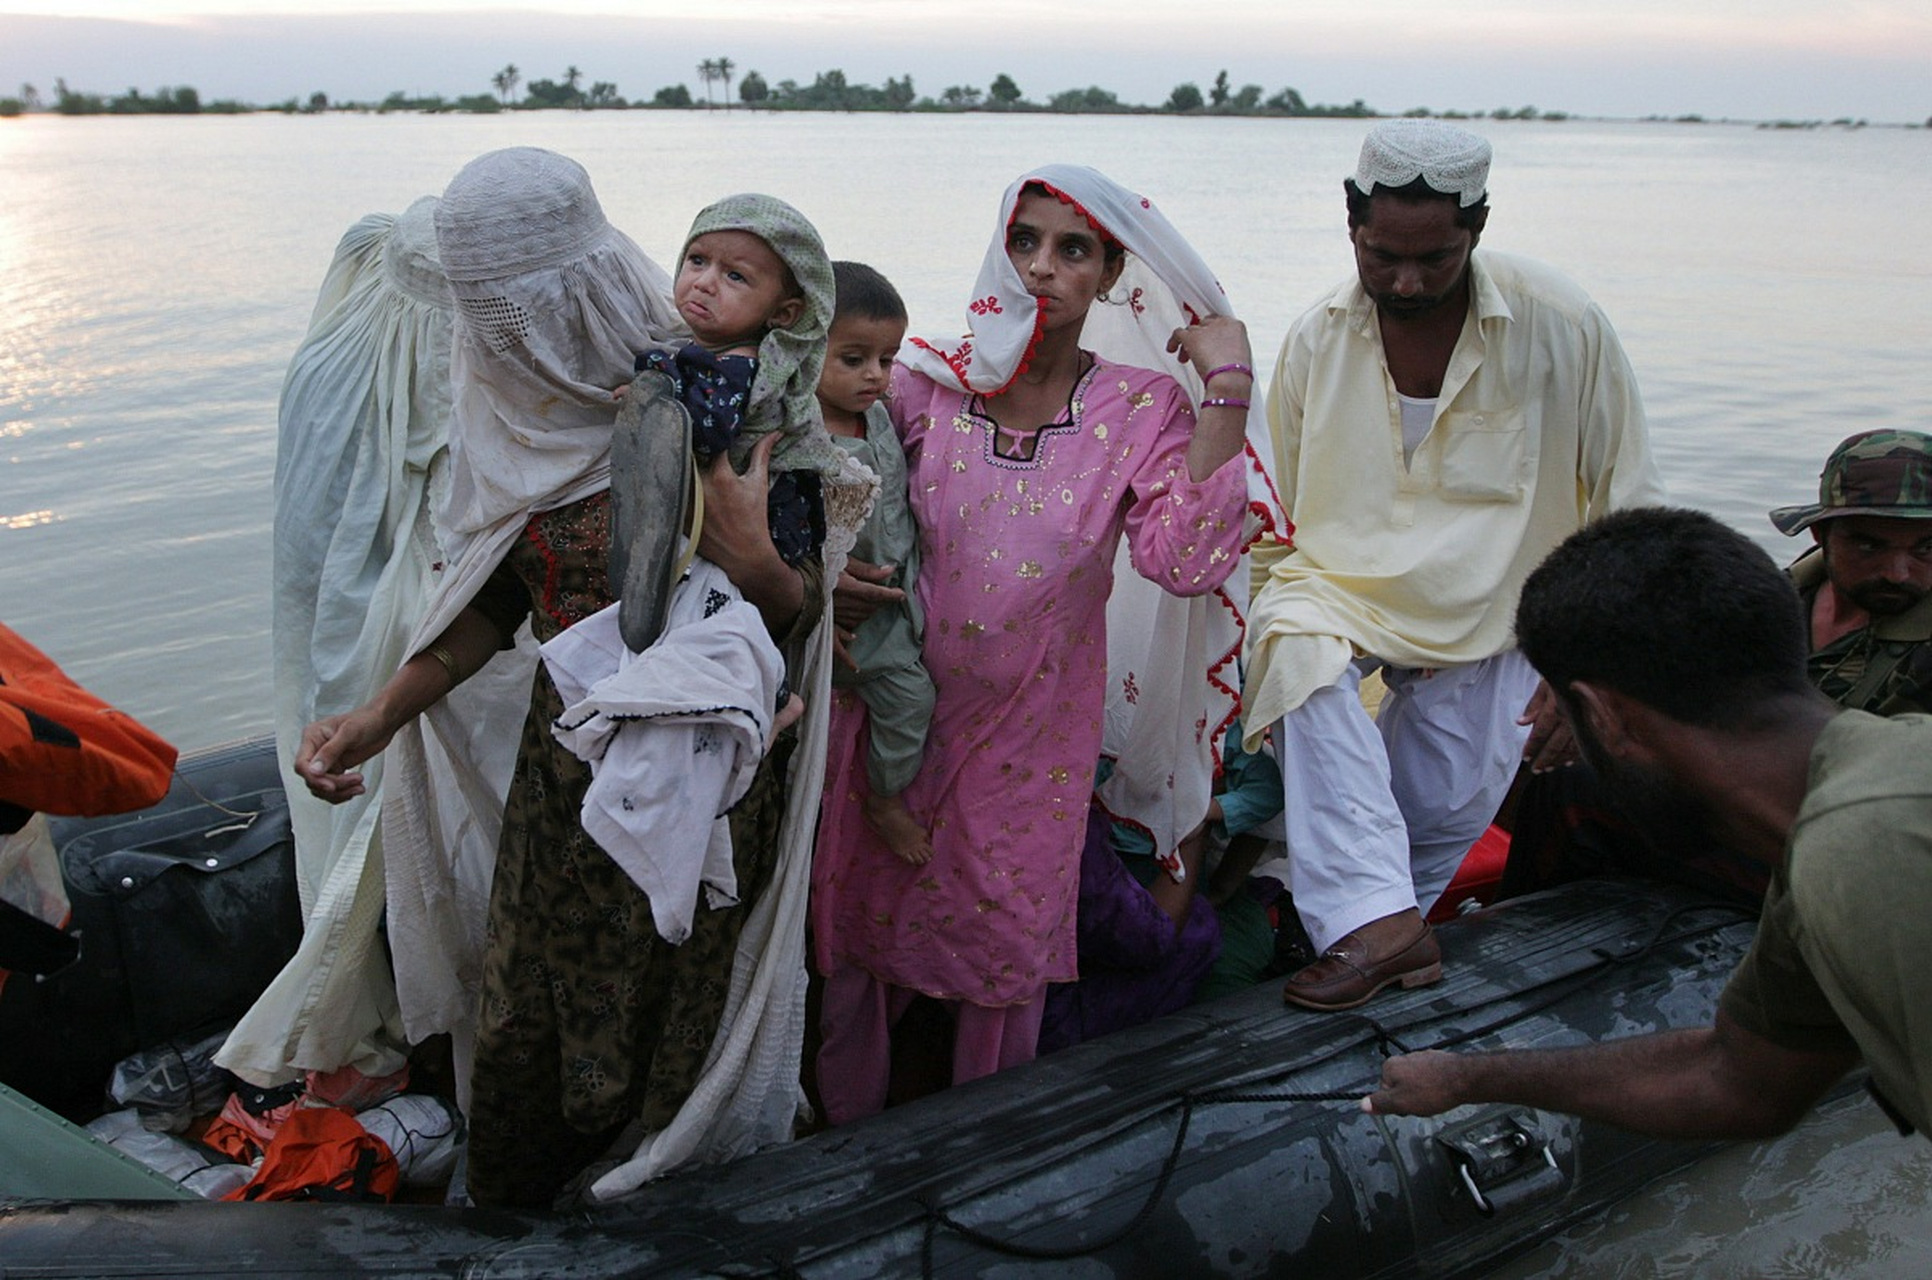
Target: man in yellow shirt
<point>1440,422</point>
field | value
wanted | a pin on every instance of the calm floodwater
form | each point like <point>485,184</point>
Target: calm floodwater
<point>156,274</point>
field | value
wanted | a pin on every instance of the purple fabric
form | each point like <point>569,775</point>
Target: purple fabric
<point>1134,964</point>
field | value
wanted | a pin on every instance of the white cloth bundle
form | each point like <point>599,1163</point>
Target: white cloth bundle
<point>672,735</point>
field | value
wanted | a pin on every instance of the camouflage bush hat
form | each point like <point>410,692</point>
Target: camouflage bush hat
<point>1874,473</point>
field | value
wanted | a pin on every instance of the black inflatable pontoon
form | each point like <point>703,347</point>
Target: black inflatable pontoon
<point>1221,1141</point>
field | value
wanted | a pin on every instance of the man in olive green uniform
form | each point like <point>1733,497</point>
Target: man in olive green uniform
<point>1620,621</point>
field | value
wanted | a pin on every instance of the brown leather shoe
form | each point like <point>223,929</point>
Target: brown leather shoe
<point>1395,949</point>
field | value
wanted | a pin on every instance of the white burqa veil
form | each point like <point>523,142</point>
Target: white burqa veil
<point>1172,680</point>
<point>363,416</point>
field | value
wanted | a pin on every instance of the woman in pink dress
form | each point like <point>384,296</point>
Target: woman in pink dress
<point>1029,458</point>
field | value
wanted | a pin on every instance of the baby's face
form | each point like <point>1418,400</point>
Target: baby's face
<point>731,287</point>
<point>859,352</point>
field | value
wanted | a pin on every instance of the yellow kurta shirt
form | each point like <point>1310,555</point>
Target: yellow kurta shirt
<point>1538,430</point>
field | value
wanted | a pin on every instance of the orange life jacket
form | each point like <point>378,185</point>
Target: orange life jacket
<point>321,1153</point>
<point>63,750</point>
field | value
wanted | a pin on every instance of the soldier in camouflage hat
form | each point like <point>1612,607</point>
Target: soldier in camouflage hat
<point>1867,593</point>
<point>1874,473</point>
<point>1867,585</point>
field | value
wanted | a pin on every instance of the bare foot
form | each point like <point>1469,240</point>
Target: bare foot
<point>788,715</point>
<point>895,824</point>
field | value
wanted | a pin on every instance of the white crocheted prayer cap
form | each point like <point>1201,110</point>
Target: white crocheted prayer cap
<point>1451,160</point>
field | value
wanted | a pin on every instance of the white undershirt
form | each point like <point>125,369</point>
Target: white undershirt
<point>1416,417</point>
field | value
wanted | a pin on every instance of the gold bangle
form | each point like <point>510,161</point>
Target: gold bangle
<point>442,655</point>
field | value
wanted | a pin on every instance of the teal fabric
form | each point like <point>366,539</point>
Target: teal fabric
<point>50,1159</point>
<point>1247,948</point>
<point>1250,795</point>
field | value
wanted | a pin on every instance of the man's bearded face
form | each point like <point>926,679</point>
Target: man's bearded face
<point>1882,564</point>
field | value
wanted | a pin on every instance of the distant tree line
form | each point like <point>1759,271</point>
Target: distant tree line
<point>169,101</point>
<point>831,91</point>
<point>828,91</point>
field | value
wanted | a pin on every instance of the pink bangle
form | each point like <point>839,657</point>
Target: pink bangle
<point>1224,402</point>
<point>1226,368</point>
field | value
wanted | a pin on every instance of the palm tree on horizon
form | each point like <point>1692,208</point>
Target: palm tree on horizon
<point>506,81</point>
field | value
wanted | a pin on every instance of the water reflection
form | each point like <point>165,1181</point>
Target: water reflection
<point>148,320</point>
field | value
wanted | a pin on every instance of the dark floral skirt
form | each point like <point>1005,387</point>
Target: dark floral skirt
<point>589,1018</point>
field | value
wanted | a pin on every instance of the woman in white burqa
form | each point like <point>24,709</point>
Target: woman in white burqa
<point>595,1029</point>
<point>360,458</point>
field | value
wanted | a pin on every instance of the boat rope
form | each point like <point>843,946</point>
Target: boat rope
<point>202,796</point>
<point>1562,986</point>
<point>1388,1041</point>
<point>937,1217</point>
<point>1606,962</point>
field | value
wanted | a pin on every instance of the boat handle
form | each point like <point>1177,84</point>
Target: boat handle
<point>1475,1193</point>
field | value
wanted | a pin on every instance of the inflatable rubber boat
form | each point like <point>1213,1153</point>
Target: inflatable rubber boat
<point>1225,1140</point>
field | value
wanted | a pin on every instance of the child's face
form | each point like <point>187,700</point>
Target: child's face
<point>859,352</point>
<point>731,287</point>
<point>1059,256</point>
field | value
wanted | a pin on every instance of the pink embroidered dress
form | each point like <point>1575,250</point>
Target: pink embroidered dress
<point>1017,563</point>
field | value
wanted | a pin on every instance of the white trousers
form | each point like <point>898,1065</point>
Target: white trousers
<point>1380,813</point>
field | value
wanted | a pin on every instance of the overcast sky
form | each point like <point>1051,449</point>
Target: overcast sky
<point>1739,59</point>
